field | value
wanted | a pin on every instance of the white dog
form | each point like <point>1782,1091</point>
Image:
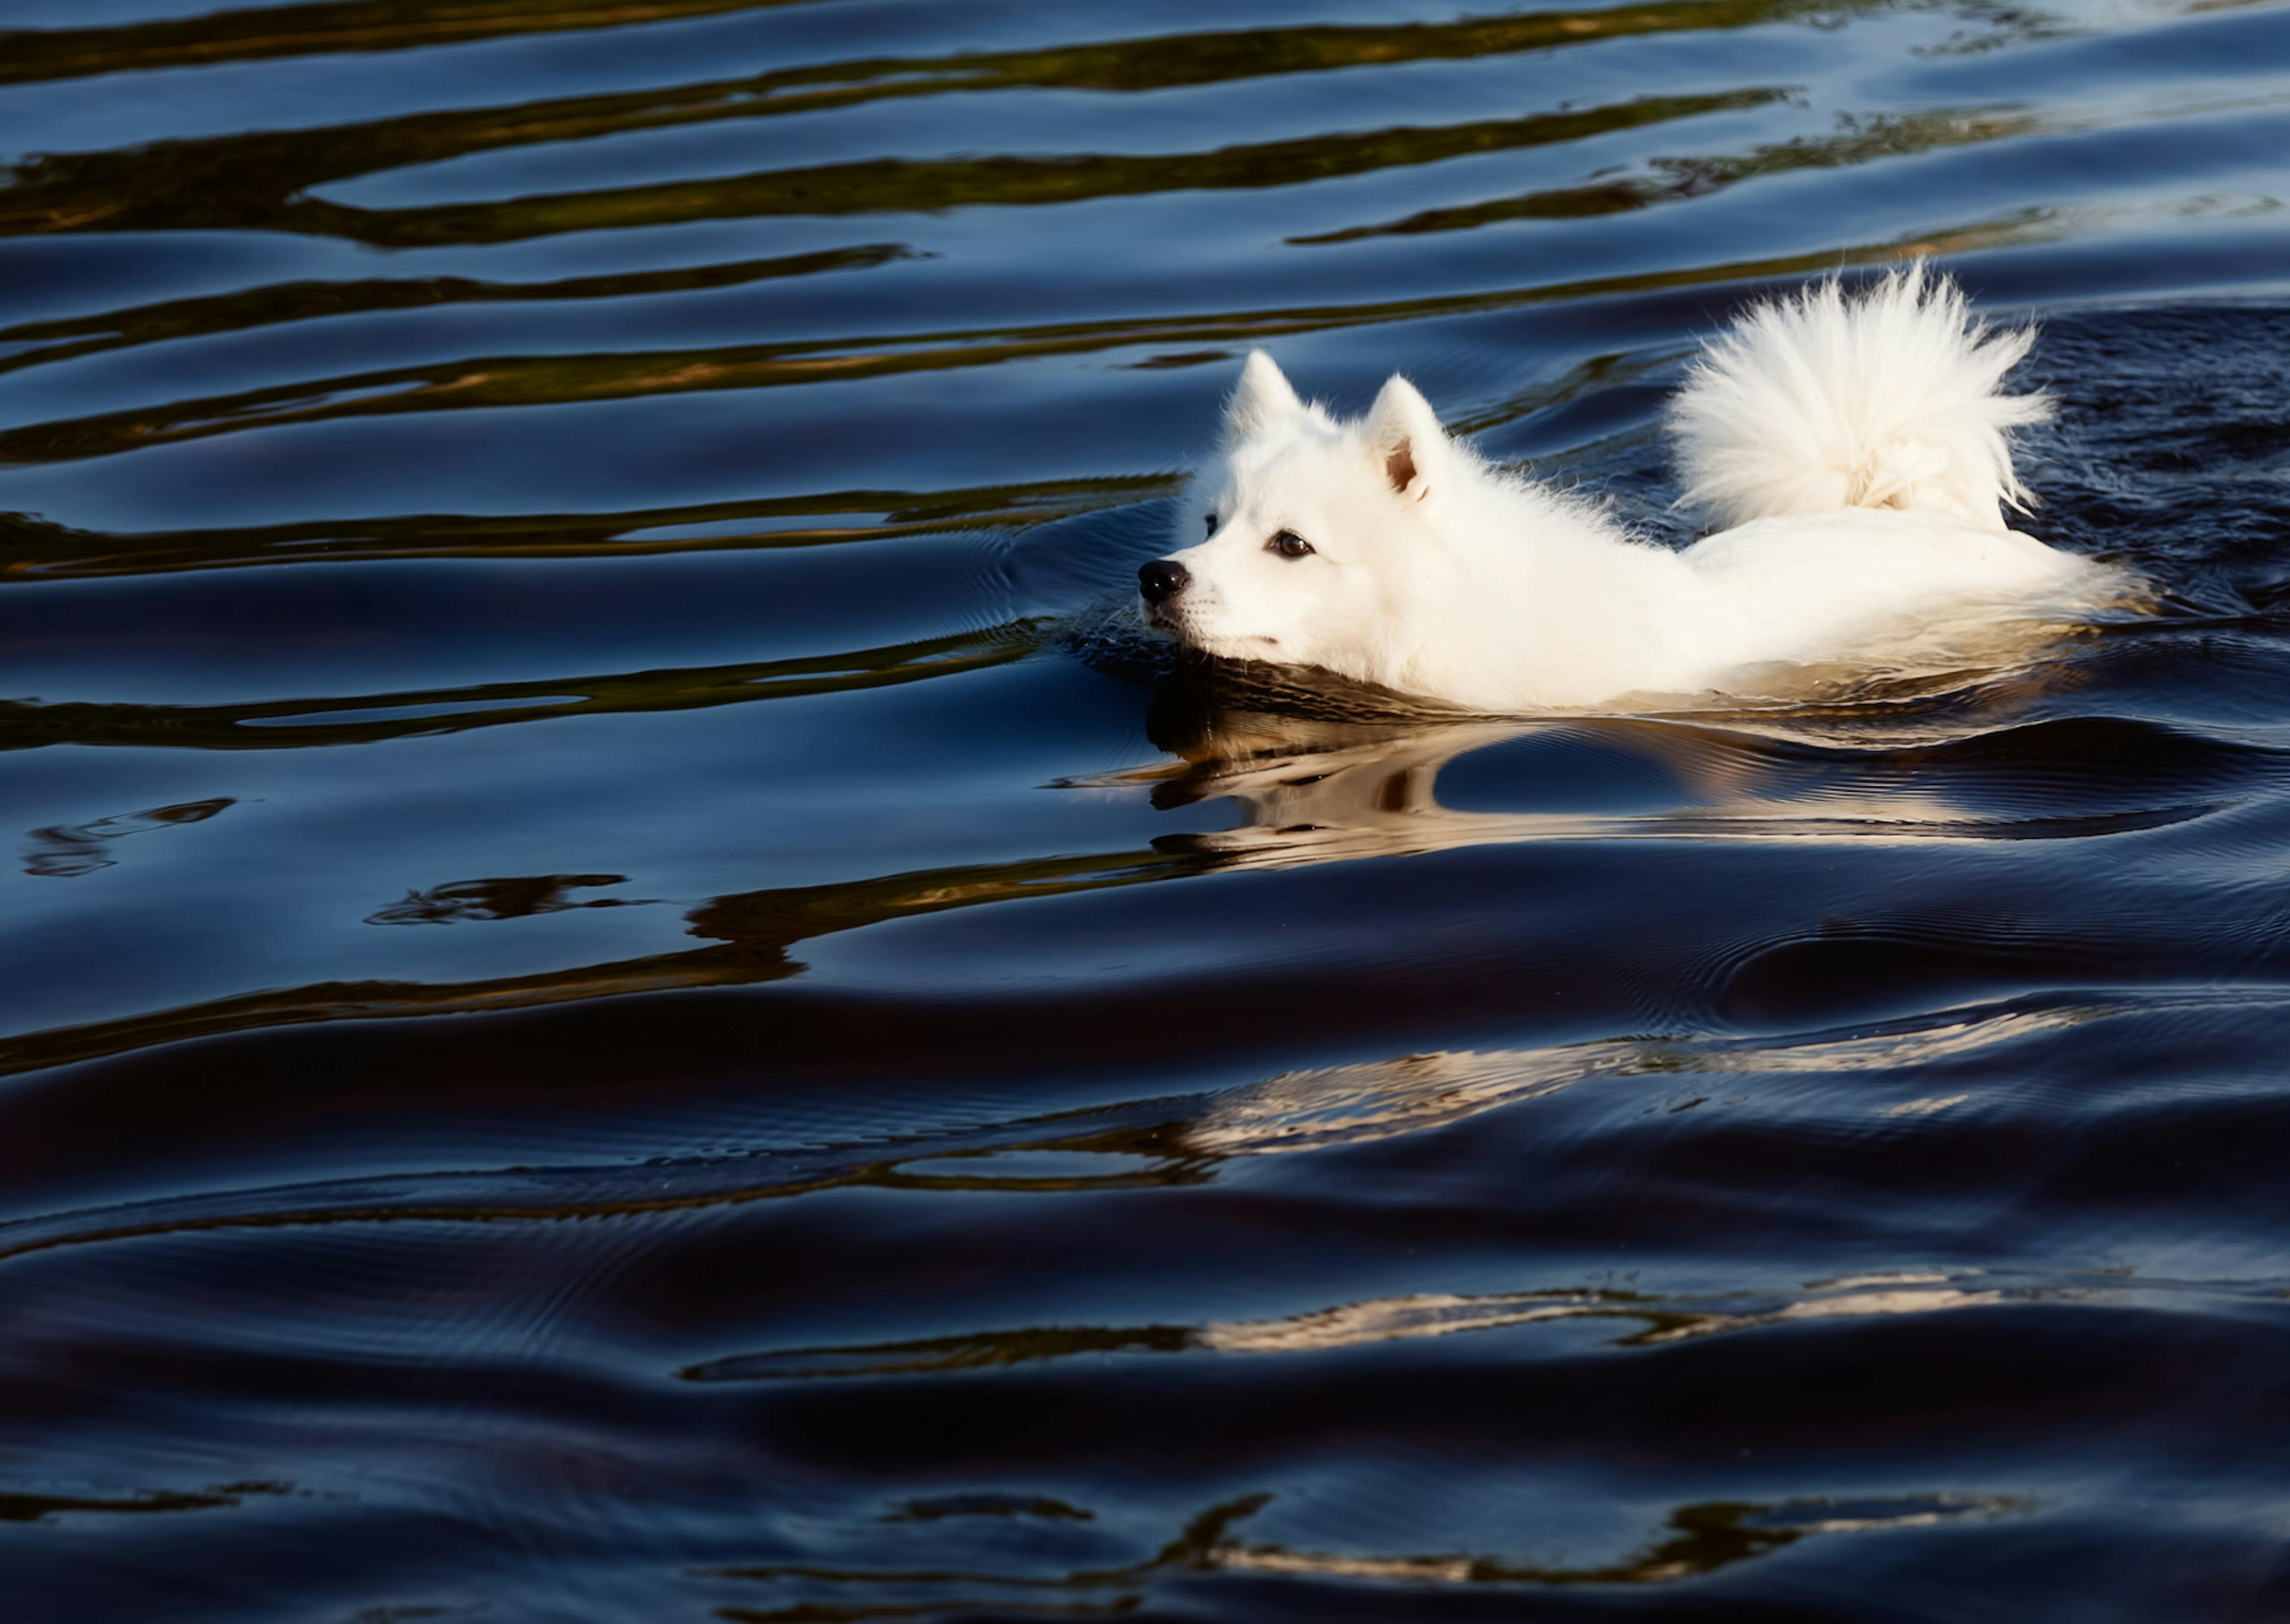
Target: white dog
<point>1854,447</point>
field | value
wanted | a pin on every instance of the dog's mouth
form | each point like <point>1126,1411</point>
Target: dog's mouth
<point>1171,619</point>
<point>1244,645</point>
<point>1162,617</point>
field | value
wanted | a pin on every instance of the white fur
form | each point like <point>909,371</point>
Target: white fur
<point>1892,400</point>
<point>1855,445</point>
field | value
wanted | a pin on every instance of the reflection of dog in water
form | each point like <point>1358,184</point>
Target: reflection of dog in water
<point>1321,772</point>
<point>1313,792</point>
<point>1853,451</point>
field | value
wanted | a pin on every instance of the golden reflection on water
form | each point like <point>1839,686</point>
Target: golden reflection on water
<point>1694,1540</point>
<point>512,381</point>
<point>267,179</point>
<point>1335,786</point>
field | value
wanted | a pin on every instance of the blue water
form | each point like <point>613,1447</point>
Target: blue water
<point>631,995</point>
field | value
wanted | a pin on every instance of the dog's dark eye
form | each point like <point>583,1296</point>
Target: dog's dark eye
<point>1209,521</point>
<point>1288,544</point>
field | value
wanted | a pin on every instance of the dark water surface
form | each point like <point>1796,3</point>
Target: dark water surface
<point>630,999</point>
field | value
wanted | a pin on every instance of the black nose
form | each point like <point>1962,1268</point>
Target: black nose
<point>1164,578</point>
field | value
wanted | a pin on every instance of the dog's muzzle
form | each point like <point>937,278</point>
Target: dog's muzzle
<point>1162,579</point>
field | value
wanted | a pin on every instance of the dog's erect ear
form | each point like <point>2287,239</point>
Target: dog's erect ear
<point>1262,397</point>
<point>1404,436</point>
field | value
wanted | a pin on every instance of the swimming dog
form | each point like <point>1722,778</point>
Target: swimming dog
<point>1851,448</point>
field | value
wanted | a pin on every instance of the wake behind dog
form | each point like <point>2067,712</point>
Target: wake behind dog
<point>1854,448</point>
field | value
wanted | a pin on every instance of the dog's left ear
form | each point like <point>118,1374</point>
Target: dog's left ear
<point>1404,436</point>
<point>1262,397</point>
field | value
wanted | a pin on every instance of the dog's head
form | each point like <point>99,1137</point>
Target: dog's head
<point>1311,536</point>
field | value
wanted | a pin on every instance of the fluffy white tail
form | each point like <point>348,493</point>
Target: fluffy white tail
<point>1889,399</point>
